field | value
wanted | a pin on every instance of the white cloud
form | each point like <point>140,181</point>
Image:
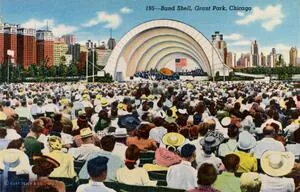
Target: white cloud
<point>110,20</point>
<point>280,48</point>
<point>38,24</point>
<point>233,36</point>
<point>240,14</point>
<point>270,17</point>
<point>62,29</point>
<point>125,10</point>
<point>241,43</point>
<point>58,30</point>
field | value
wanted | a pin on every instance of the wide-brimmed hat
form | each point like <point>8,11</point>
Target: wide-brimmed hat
<point>276,163</point>
<point>120,133</point>
<point>12,157</point>
<point>226,121</point>
<point>173,139</point>
<point>43,158</point>
<point>86,132</point>
<point>166,158</point>
<point>104,102</point>
<point>130,122</point>
<point>250,179</point>
<point>85,97</point>
<point>3,116</point>
<point>246,141</point>
<point>210,141</point>
<point>55,143</point>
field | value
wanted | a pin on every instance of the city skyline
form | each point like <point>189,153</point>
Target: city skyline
<point>277,25</point>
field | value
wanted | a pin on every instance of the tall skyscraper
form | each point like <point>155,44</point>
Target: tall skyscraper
<point>263,59</point>
<point>44,46</point>
<point>59,50</point>
<point>254,54</point>
<point>2,43</point>
<point>69,39</point>
<point>26,47</point>
<point>10,41</point>
<point>229,60</point>
<point>220,44</point>
<point>74,50</point>
<point>293,56</point>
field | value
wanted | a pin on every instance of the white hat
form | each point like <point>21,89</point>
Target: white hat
<point>246,141</point>
<point>120,133</point>
<point>182,111</point>
<point>98,108</point>
<point>78,97</point>
<point>226,121</point>
<point>276,163</point>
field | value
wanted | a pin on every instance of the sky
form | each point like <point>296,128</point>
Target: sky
<point>273,23</point>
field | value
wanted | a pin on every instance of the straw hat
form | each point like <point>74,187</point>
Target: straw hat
<point>173,139</point>
<point>250,179</point>
<point>104,102</point>
<point>85,97</point>
<point>3,116</point>
<point>86,132</point>
<point>276,163</point>
<point>55,143</point>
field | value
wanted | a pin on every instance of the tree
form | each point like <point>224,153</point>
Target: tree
<point>72,70</point>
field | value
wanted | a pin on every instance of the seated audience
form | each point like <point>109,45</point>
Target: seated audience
<point>66,161</point>
<point>207,175</point>
<point>250,182</point>
<point>114,161</point>
<point>131,174</point>
<point>276,165</point>
<point>43,166</point>
<point>183,175</point>
<point>87,148</point>
<point>97,169</point>
<point>227,181</point>
<point>246,142</point>
<point>141,140</point>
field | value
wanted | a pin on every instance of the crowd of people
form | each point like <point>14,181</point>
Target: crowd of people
<point>205,136</point>
<point>155,74</point>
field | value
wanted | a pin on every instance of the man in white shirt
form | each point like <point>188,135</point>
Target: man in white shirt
<point>183,175</point>
<point>276,165</point>
<point>231,145</point>
<point>50,107</point>
<point>97,169</point>
<point>267,143</point>
<point>87,148</point>
<point>11,131</point>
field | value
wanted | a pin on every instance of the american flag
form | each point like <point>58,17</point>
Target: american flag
<point>180,62</point>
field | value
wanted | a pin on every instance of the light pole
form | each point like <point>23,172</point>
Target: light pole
<point>8,68</point>
<point>87,67</point>
<point>224,72</point>
<point>93,51</point>
<point>212,57</point>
